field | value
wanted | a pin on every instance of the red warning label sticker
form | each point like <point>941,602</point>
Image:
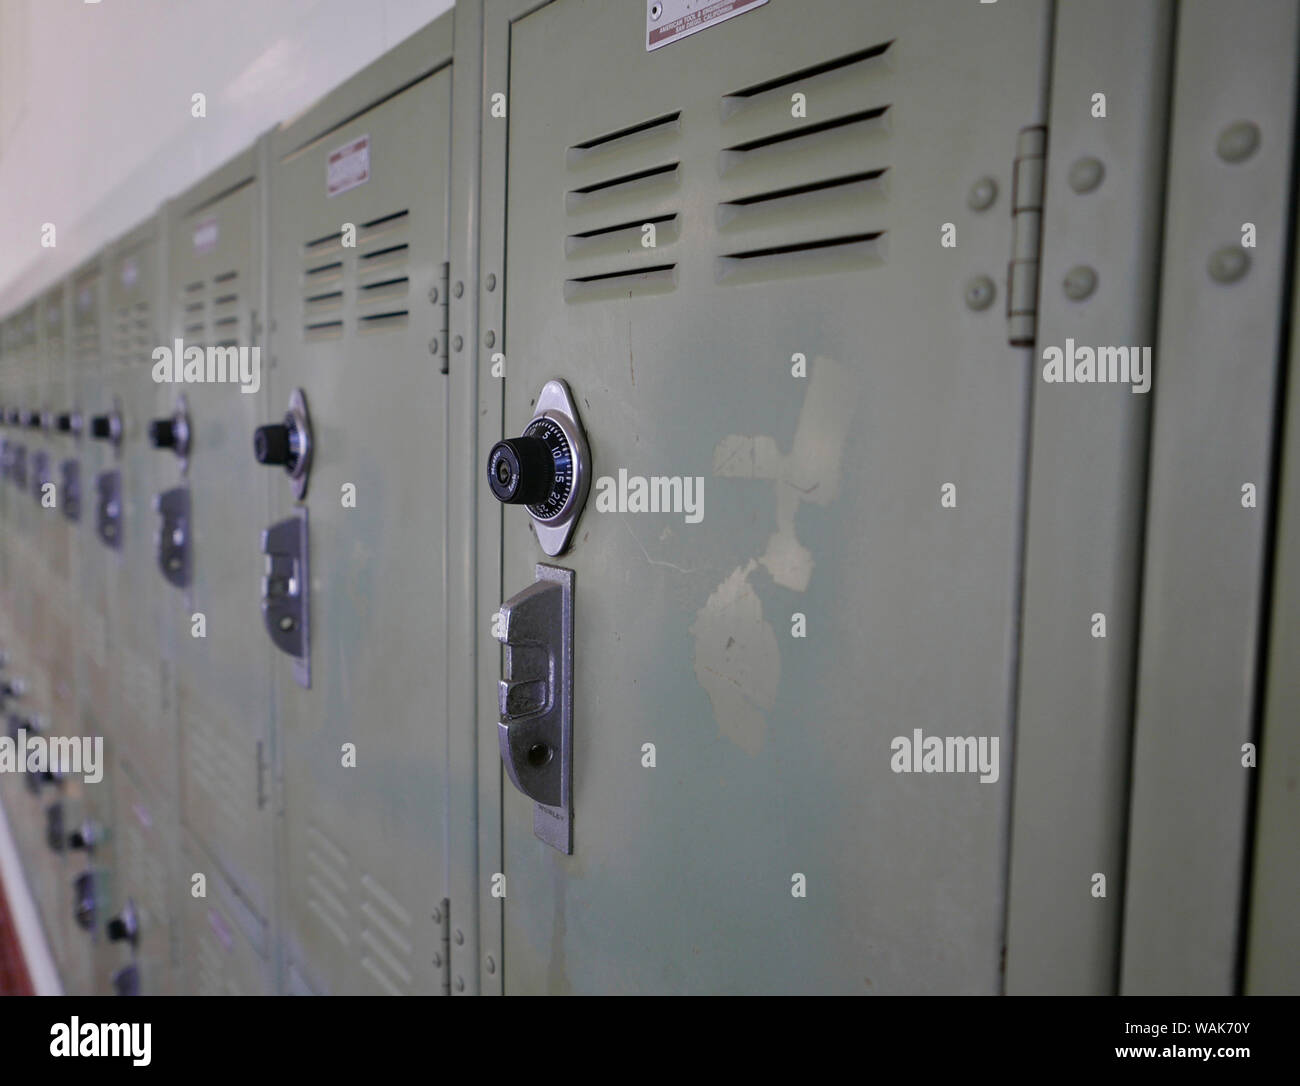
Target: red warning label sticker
<point>668,21</point>
<point>348,166</point>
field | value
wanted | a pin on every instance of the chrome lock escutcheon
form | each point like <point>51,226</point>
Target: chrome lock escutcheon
<point>288,444</point>
<point>535,698</point>
<point>547,469</point>
<point>172,539</point>
<point>286,592</point>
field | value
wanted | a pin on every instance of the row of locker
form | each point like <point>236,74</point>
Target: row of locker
<point>256,453</point>
<point>133,508</point>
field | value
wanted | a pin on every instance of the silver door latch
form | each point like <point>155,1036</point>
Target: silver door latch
<point>172,540</point>
<point>285,591</point>
<point>535,729</point>
<point>71,471</point>
<point>108,510</point>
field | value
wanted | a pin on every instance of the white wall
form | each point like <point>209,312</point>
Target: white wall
<point>95,104</point>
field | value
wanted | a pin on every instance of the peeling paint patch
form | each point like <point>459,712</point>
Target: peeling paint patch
<point>809,473</point>
<point>737,658</point>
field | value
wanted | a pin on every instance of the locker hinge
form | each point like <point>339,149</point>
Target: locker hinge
<point>444,946</point>
<point>444,278</point>
<point>1028,175</point>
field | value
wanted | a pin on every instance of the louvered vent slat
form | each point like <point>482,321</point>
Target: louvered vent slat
<point>623,189</point>
<point>223,310</point>
<point>371,277</point>
<point>85,320</point>
<point>807,193</point>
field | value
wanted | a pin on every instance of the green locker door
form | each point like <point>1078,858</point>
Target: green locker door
<point>60,529</point>
<point>7,349</point>
<point>59,800</point>
<point>1211,489</point>
<point>63,603</point>
<point>25,371</point>
<point>1272,965</point>
<point>140,595</point>
<point>843,392</point>
<point>223,677</point>
<point>95,666</point>
<point>358,212</point>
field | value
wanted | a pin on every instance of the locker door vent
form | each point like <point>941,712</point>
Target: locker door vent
<point>818,257</point>
<point>379,933</point>
<point>210,967</point>
<point>132,334</point>
<point>622,189</point>
<point>54,329</point>
<point>194,313</point>
<point>807,138</point>
<point>329,885</point>
<point>386,938</point>
<point>218,766</point>
<point>120,336</point>
<point>808,178</point>
<point>85,331</point>
<point>380,262</point>
<point>383,261</point>
<point>223,311</point>
<point>814,79</point>
<point>653,130</point>
<point>210,311</point>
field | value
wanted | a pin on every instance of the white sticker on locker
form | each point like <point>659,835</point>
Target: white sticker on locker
<point>205,236</point>
<point>348,166</point>
<point>668,21</point>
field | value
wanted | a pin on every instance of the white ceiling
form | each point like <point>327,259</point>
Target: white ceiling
<point>95,121</point>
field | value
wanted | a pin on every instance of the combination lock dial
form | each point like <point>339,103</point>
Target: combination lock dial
<point>535,470</point>
<point>173,433</point>
<point>547,470</point>
<point>288,444</point>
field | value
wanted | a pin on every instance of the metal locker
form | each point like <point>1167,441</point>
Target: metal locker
<point>95,664</point>
<point>135,271</point>
<point>52,794</point>
<point>24,520</point>
<point>225,947</point>
<point>57,506</point>
<point>100,515</point>
<point>13,678</point>
<point>27,703</point>
<point>223,677</point>
<point>63,800</point>
<point>1210,493</point>
<point>1101,218</point>
<point>139,929</point>
<point>734,262</point>
<point>355,580</point>
<point>1272,947</point>
<point>8,348</point>
<point>44,527</point>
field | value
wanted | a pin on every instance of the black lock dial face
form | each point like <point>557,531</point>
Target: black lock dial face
<point>548,430</point>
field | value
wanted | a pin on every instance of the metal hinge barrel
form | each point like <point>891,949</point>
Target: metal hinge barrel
<point>1028,178</point>
<point>444,308</point>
